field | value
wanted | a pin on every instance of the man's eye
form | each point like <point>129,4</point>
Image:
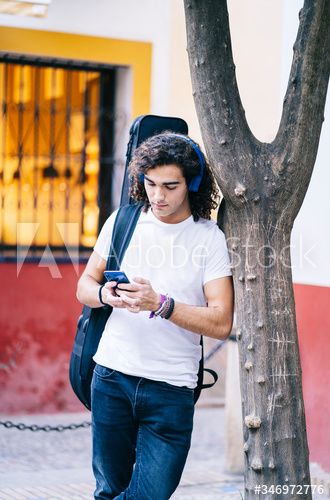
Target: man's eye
<point>171,188</point>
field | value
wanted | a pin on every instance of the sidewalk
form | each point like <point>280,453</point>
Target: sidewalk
<point>56,465</point>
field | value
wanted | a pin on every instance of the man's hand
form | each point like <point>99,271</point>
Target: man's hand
<point>138,295</point>
<point>109,295</point>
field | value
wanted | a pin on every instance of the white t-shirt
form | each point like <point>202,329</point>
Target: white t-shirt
<point>177,259</point>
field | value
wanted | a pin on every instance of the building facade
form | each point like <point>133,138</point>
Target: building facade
<point>70,84</point>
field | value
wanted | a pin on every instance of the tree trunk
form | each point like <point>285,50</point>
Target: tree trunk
<point>275,442</point>
<point>263,186</point>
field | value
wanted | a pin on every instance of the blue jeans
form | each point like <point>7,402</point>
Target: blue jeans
<point>141,435</point>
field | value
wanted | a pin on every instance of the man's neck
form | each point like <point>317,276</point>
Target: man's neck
<point>174,218</point>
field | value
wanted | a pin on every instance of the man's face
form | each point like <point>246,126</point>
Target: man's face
<point>167,193</point>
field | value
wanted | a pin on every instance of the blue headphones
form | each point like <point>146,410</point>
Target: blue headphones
<point>195,182</point>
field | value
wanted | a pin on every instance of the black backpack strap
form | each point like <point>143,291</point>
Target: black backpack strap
<point>208,370</point>
<point>92,322</point>
<point>123,229</point>
<point>200,375</point>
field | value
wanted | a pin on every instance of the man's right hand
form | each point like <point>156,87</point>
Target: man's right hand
<point>89,285</point>
<point>110,297</point>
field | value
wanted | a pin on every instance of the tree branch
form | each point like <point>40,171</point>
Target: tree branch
<point>299,132</point>
<point>226,133</point>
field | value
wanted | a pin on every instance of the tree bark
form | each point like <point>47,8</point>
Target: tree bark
<point>263,186</point>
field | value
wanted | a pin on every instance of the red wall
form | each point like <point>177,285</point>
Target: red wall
<point>37,326</point>
<point>313,318</point>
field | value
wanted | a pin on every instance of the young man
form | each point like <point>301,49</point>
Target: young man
<point>148,358</point>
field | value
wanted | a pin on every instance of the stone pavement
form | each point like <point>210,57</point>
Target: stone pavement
<point>56,465</point>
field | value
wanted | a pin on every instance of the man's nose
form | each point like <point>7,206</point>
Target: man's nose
<point>159,193</point>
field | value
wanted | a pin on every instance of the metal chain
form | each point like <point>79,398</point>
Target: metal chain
<point>46,428</point>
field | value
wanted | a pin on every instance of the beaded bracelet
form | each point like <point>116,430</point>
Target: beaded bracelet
<point>170,310</point>
<point>166,307</point>
<point>162,301</point>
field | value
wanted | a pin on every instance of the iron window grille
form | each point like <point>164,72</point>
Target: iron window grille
<point>56,155</point>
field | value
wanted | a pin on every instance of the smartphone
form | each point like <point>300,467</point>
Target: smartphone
<point>118,276</point>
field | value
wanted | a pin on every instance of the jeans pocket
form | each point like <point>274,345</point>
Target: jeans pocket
<point>103,372</point>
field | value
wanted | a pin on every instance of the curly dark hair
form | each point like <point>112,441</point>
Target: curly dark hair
<point>169,148</point>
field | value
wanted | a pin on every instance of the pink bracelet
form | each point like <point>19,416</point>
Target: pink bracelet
<point>162,300</point>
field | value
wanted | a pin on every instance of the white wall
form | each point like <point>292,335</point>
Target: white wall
<point>311,232</point>
<point>255,27</point>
